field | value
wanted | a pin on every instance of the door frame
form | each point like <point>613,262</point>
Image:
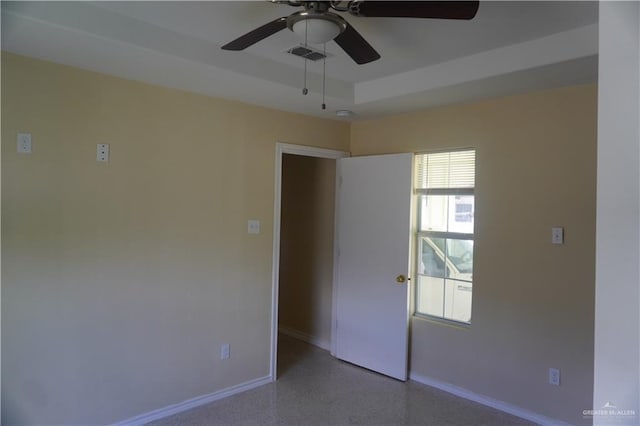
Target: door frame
<point>306,151</point>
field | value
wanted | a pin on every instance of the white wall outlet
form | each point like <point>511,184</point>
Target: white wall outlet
<point>557,235</point>
<point>253,226</point>
<point>102,153</point>
<point>225,351</point>
<point>554,376</point>
<point>24,143</point>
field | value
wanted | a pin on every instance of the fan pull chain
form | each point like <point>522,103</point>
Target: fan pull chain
<point>306,29</point>
<point>324,73</point>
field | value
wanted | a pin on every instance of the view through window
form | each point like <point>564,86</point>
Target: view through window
<point>444,187</point>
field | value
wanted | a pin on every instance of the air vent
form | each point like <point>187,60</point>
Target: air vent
<point>305,52</point>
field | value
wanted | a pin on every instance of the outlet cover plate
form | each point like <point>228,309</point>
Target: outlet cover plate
<point>557,235</point>
<point>102,153</point>
<point>24,143</point>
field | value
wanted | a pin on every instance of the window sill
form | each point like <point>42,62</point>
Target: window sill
<point>442,321</point>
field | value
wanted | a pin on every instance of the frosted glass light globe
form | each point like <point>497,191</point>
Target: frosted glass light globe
<point>318,31</point>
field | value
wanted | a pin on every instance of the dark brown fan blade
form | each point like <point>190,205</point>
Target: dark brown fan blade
<point>356,46</point>
<point>415,9</point>
<point>252,37</point>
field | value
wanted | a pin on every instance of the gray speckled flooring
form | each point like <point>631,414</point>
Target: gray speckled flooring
<point>313,388</point>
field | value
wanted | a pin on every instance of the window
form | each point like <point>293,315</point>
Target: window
<point>444,187</point>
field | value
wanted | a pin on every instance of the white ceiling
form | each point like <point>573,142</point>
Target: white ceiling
<point>509,47</point>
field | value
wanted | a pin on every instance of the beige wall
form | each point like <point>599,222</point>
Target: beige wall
<point>533,302</point>
<point>121,280</point>
<point>306,246</point>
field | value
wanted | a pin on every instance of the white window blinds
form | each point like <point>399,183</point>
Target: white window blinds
<point>446,170</point>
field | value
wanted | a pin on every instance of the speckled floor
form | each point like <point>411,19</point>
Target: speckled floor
<point>313,388</point>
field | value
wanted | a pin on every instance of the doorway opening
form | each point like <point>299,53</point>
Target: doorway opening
<point>304,223</point>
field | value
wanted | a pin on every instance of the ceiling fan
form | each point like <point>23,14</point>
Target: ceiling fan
<point>316,23</point>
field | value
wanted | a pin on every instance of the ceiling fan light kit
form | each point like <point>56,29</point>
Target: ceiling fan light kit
<point>316,28</point>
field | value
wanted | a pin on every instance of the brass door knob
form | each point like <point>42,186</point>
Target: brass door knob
<point>401,279</point>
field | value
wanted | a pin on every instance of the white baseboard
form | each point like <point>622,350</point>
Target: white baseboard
<point>485,400</point>
<point>192,403</point>
<point>314,340</point>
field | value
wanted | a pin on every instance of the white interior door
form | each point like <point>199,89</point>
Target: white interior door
<point>374,234</point>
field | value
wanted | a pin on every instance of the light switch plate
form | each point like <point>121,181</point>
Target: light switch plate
<point>253,226</point>
<point>24,143</point>
<point>225,351</point>
<point>557,235</point>
<point>554,376</point>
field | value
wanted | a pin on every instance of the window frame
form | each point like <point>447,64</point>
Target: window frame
<point>419,234</point>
